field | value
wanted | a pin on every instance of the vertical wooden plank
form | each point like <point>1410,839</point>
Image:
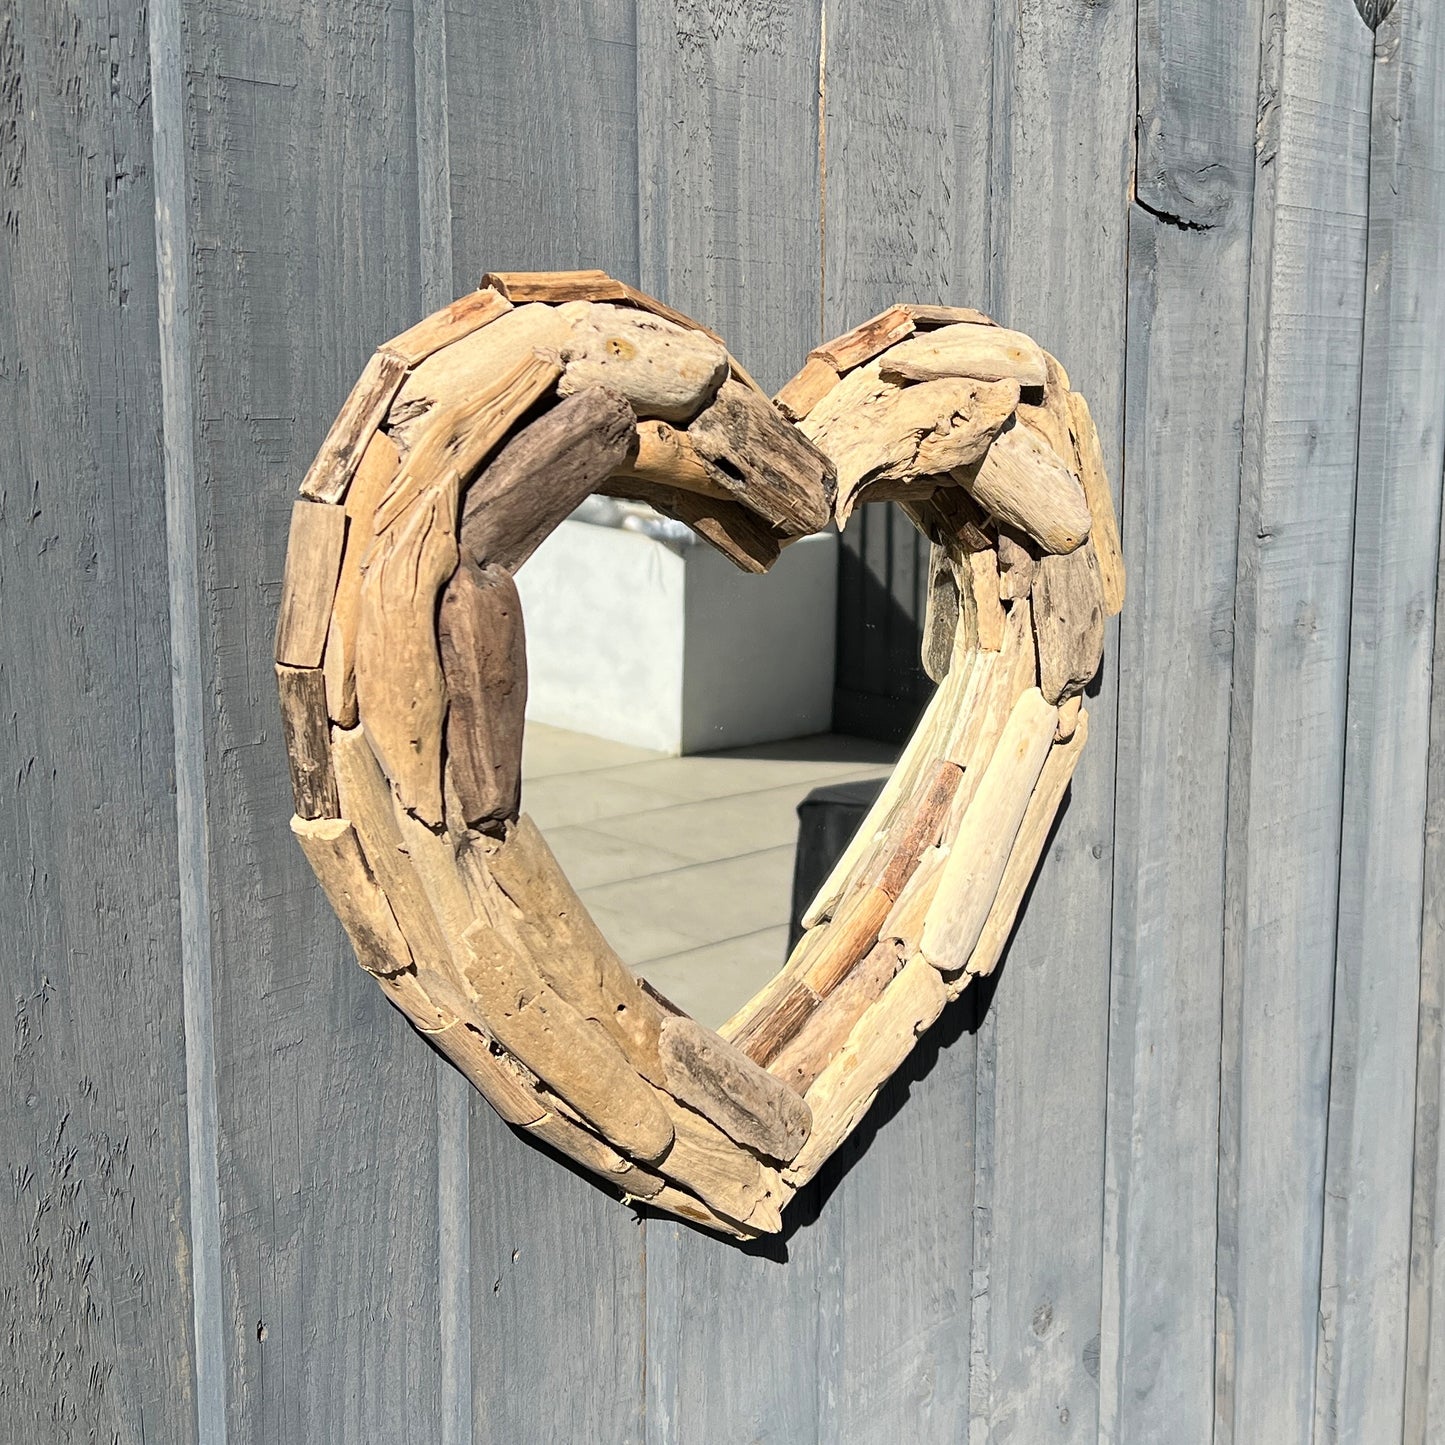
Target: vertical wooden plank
<point>542,115</point>
<point>95,1283</point>
<point>303,222</point>
<point>1361,1389</point>
<point>728,173</point>
<point>1188,310</point>
<point>1287,728</point>
<point>1063,107</point>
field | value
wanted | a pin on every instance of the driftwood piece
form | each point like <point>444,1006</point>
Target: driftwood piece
<point>458,319</point>
<point>767,463</point>
<point>582,1146</point>
<point>879,1042</point>
<point>983,580</point>
<point>735,531</point>
<point>334,852</point>
<point>865,342</point>
<point>484,663</point>
<point>307,735</point>
<point>542,474</point>
<point>1049,417</point>
<point>929,317</point>
<point>459,372</point>
<point>979,853</point>
<point>330,473</point>
<point>941,615</point>
<point>571,1054</point>
<point>665,371</point>
<point>399,685</point>
<point>986,353</point>
<point>1069,711</point>
<point>804,391</point>
<point>1068,615</point>
<point>722,1173</point>
<point>686,1206</point>
<point>555,286</point>
<point>720,1082</point>
<point>875,430</point>
<point>1105,529</point>
<point>577,960</point>
<point>1023,858</point>
<point>826,1028</point>
<point>308,583</point>
<point>374,476</point>
<point>664,456</point>
<point>766,1023</point>
<point>1022,481</point>
<point>1017,567</point>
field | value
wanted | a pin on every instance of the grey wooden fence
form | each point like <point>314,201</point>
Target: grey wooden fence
<point>1183,1181</point>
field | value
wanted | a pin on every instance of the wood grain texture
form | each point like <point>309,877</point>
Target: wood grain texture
<point>1370,1154</point>
<point>1287,737</point>
<point>1188,300</point>
<point>303,260</point>
<point>96,1232</point>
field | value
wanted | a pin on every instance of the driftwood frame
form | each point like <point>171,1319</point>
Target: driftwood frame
<point>401,671</point>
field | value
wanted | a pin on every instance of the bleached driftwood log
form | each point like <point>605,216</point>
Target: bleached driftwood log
<point>401,666</point>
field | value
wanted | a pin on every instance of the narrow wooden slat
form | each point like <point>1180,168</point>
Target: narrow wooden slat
<point>865,341</point>
<point>555,286</point>
<point>1025,483</point>
<point>1104,526</point>
<point>800,395</point>
<point>1069,614</point>
<point>330,474</point>
<point>313,562</point>
<point>306,732</point>
<point>462,317</point>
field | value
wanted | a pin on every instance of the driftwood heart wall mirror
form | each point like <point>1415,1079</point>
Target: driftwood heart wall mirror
<point>402,673</point>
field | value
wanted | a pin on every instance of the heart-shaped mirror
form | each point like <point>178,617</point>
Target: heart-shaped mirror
<point>402,674</point>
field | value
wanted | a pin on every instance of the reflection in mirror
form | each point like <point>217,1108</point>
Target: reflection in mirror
<point>678,713</point>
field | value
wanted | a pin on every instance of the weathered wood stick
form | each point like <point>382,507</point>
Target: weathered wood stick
<point>313,561</point>
<point>400,692</point>
<point>644,302</point>
<point>1069,610</point>
<point>484,662</point>
<point>918,830</point>
<point>520,286</point>
<point>577,960</point>
<point>595,1155</point>
<point>572,1055</point>
<point>720,1082</point>
<point>865,342</point>
<point>766,1023</point>
<point>1069,711</point>
<point>852,931</point>
<point>330,474</point>
<point>679,1202</point>
<point>374,474</point>
<point>1022,481</point>
<point>941,616</point>
<point>334,852</point>
<point>764,461</point>
<point>1050,417</point>
<point>1023,858</point>
<point>930,317</point>
<point>1016,567</point>
<point>307,736</point>
<point>905,921</point>
<point>986,353</point>
<point>800,395</point>
<point>665,371</point>
<point>982,563</point>
<point>542,474</point>
<point>879,1042</point>
<point>806,1054</point>
<point>742,536</point>
<point>460,318</point>
<point>665,457</point>
<point>971,877</point>
<point>1105,530</point>
<point>705,1161</point>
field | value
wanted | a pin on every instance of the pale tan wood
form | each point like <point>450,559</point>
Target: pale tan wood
<point>767,1022</point>
<point>665,371</point>
<point>846,938</point>
<point>906,918</point>
<point>983,571</point>
<point>1068,606</point>
<point>865,342</point>
<point>876,430</point>
<point>571,1054</point>
<point>1022,481</point>
<point>1069,711</point>
<point>400,692</point>
<point>664,456</point>
<point>878,1043</point>
<point>720,1082</point>
<point>484,663</point>
<point>914,832</point>
<point>307,737</point>
<point>986,353</point>
<point>577,960</point>
<point>1023,858</point>
<point>679,1202</point>
<point>929,317</point>
<point>1050,416</point>
<point>980,851</point>
<point>721,1173</point>
<point>804,391</point>
<point>1016,567</point>
<point>766,462</point>
<point>374,475</point>
<point>555,286</point>
<point>459,318</point>
<point>1105,530</point>
<point>433,858</point>
<point>643,301</point>
<point>459,372</point>
<point>334,852</point>
<point>365,409</point>
<point>596,1155</point>
<point>820,1036</point>
<point>313,562</point>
